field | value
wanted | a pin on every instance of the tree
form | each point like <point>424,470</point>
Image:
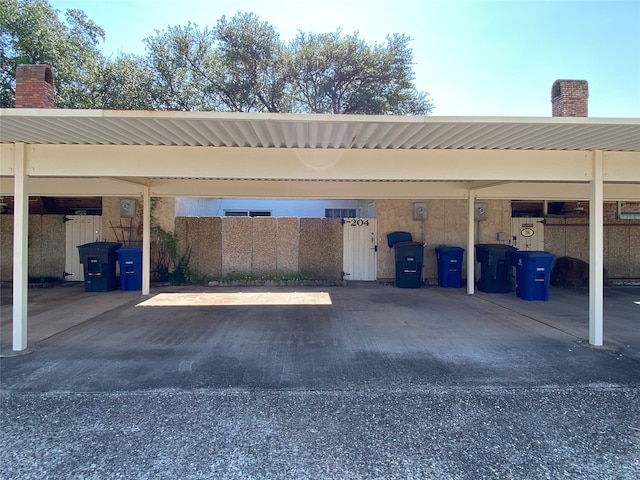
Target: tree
<point>31,33</point>
<point>253,65</point>
<point>336,74</point>
<point>238,66</point>
<point>122,83</point>
<point>180,60</point>
<point>242,65</point>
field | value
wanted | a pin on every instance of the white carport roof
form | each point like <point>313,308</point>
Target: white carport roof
<point>94,152</point>
<point>215,129</point>
<point>286,155</point>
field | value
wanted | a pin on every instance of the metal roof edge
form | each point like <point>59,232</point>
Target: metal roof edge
<point>306,118</point>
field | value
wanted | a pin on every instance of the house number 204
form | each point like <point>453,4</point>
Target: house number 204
<point>359,222</point>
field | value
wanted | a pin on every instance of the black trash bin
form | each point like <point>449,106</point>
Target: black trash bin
<point>496,267</point>
<point>409,256</point>
<point>130,260</point>
<point>449,266</point>
<point>99,260</point>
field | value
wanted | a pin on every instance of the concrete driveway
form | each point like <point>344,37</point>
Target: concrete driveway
<point>336,337</point>
<point>364,381</point>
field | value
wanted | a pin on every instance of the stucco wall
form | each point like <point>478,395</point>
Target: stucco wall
<point>128,231</point>
<point>446,224</point>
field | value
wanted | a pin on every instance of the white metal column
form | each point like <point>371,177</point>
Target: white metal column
<point>471,258</point>
<point>596,251</point>
<point>20,246</point>
<point>146,240</point>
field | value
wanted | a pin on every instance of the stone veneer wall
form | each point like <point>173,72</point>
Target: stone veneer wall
<point>265,244</point>
<point>203,236</point>
<point>570,237</point>
<point>46,246</point>
<point>261,245</point>
<point>321,242</point>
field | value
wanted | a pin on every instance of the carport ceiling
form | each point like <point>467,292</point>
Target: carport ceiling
<point>214,154</point>
<point>216,129</point>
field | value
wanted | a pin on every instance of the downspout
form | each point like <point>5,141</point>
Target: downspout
<point>596,249</point>
<point>20,246</point>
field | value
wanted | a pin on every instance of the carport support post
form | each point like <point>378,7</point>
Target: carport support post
<point>20,246</point>
<point>471,267</point>
<point>596,255</point>
<point>146,240</point>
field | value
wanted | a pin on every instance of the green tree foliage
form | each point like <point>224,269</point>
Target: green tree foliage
<point>122,83</point>
<point>336,74</point>
<point>253,68</point>
<point>242,65</point>
<point>32,33</point>
<point>238,65</point>
<point>180,60</point>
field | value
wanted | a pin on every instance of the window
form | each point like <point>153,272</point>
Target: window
<point>340,213</point>
<point>247,213</point>
<point>259,213</point>
<point>629,210</point>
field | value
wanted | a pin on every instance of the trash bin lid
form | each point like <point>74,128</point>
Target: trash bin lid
<point>534,254</point>
<point>100,246</point>
<point>130,253</point>
<point>409,244</point>
<point>395,237</point>
<point>449,250</point>
<point>495,247</point>
<point>130,249</point>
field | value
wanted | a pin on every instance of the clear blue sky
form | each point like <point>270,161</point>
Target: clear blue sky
<point>475,58</point>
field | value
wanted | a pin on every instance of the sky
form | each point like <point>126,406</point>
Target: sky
<point>474,58</point>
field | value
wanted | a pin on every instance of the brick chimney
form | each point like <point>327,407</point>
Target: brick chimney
<point>34,86</point>
<point>569,98</point>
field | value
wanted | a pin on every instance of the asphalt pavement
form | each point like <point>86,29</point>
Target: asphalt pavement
<point>357,382</point>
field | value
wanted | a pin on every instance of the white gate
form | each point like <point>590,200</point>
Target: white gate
<point>359,249</point>
<point>81,229</point>
<point>528,233</point>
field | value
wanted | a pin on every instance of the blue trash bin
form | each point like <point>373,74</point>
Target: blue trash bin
<point>449,266</point>
<point>533,273</point>
<point>130,260</point>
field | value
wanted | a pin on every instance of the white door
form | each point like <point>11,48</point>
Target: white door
<point>527,233</point>
<point>359,249</point>
<point>81,229</point>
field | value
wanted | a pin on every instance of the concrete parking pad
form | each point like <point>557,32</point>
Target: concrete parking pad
<point>336,337</point>
<point>379,383</point>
